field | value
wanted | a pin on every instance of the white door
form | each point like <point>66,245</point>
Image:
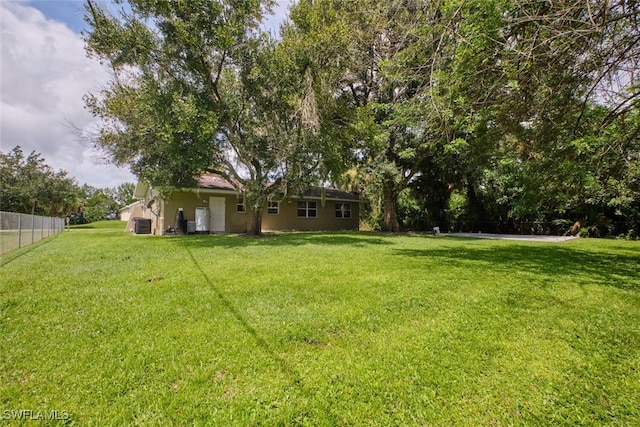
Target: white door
<point>216,209</point>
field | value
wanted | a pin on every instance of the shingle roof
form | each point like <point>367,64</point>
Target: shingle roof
<point>330,193</point>
<point>216,182</point>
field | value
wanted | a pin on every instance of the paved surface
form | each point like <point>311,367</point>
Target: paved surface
<point>554,239</point>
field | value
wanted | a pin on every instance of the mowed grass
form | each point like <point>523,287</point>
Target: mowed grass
<point>321,329</point>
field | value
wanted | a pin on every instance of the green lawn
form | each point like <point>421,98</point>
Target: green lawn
<point>320,329</point>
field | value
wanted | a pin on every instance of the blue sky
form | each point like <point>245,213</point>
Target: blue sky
<point>44,73</point>
<point>71,12</point>
<point>68,11</point>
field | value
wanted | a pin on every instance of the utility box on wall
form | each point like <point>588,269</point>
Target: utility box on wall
<point>203,216</point>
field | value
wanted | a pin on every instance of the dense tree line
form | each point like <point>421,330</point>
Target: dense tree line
<point>28,185</point>
<point>496,115</point>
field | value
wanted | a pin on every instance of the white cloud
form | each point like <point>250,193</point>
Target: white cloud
<point>44,74</point>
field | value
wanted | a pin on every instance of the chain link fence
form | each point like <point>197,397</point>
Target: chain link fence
<point>19,230</point>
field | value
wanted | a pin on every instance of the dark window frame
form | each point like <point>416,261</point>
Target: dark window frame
<point>240,206</point>
<point>270,208</point>
<point>307,209</point>
<point>343,213</point>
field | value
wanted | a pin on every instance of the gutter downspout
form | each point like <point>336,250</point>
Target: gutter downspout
<point>157,230</point>
<point>161,216</point>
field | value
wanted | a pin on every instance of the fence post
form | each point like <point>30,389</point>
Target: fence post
<point>14,222</point>
<point>19,231</point>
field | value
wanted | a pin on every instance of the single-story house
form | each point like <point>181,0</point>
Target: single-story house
<point>216,206</point>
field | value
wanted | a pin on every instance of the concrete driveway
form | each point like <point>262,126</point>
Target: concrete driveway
<point>530,238</point>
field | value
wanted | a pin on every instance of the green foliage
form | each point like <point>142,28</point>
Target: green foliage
<point>534,126</point>
<point>529,109</point>
<point>202,90</point>
<point>579,177</point>
<point>28,185</point>
<point>457,209</point>
<point>123,194</point>
<point>365,41</point>
<point>98,204</point>
<point>410,211</point>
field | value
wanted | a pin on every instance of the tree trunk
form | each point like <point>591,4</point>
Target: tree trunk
<point>254,201</point>
<point>390,222</point>
<point>479,219</point>
<point>255,227</point>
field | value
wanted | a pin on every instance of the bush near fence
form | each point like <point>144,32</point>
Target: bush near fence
<point>19,230</point>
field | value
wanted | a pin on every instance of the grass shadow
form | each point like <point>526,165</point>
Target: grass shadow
<point>101,225</point>
<point>15,254</point>
<point>619,270</point>
<point>296,378</point>
<point>281,239</point>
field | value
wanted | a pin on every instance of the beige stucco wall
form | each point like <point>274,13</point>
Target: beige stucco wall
<point>125,215</point>
<point>136,212</point>
<point>238,222</point>
<point>235,222</point>
<point>287,218</point>
<point>154,213</point>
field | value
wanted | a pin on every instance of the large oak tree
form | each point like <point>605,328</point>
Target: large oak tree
<point>197,87</point>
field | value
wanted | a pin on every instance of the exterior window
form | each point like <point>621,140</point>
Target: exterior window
<point>307,209</point>
<point>240,207</point>
<point>273,208</point>
<point>343,210</point>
